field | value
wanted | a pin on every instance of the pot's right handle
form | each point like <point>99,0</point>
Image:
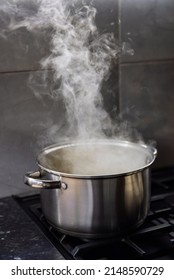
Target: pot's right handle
<point>34,180</point>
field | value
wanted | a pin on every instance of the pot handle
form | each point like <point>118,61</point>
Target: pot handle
<point>34,180</point>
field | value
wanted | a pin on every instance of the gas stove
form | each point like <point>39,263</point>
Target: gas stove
<point>153,240</point>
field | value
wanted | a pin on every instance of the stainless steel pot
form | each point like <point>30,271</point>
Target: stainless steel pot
<point>89,202</point>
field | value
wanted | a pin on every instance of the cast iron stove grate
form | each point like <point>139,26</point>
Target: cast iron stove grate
<point>153,240</point>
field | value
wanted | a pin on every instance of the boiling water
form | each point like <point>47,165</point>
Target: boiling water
<point>95,160</point>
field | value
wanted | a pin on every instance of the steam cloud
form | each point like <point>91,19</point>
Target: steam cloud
<point>80,58</point>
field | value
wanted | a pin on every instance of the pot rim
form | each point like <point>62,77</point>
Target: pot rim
<point>149,149</point>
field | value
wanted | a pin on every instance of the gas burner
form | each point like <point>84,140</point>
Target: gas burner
<point>153,240</point>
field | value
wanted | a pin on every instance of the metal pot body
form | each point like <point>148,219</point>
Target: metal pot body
<point>98,207</point>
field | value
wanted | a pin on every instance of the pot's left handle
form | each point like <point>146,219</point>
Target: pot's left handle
<point>34,180</point>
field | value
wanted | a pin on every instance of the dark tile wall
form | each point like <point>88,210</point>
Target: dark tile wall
<point>24,123</point>
<point>148,26</point>
<point>147,77</point>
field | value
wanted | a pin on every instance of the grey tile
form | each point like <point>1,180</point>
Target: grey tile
<point>24,126</point>
<point>110,92</point>
<point>147,103</point>
<point>22,50</point>
<point>107,22</point>
<point>107,16</point>
<point>147,27</point>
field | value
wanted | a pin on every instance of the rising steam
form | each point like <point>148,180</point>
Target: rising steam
<point>80,58</point>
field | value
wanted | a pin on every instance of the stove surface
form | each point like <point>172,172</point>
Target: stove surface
<point>153,240</point>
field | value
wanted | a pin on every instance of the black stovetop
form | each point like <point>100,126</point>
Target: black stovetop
<point>153,240</point>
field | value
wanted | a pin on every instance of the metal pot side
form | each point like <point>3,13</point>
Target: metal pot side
<point>94,208</point>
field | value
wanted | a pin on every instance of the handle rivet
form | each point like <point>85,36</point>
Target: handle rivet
<point>64,186</point>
